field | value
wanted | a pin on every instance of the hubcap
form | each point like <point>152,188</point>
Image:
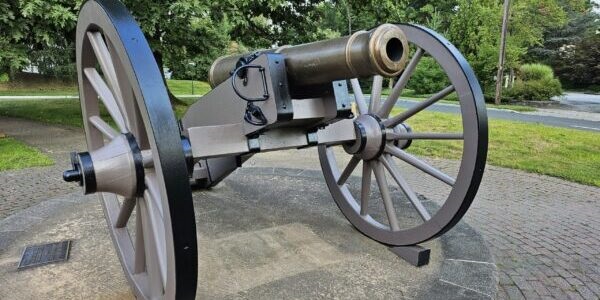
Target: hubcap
<point>115,168</point>
<point>370,137</point>
<point>402,128</point>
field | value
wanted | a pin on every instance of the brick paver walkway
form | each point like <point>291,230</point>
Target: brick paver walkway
<point>544,232</point>
<point>20,189</point>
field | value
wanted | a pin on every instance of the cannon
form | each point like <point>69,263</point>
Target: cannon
<point>142,162</point>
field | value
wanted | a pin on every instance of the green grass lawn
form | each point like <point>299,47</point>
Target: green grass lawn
<point>184,87</point>
<point>560,152</point>
<point>177,87</point>
<point>38,90</point>
<point>16,155</point>
<point>59,111</point>
<point>409,94</point>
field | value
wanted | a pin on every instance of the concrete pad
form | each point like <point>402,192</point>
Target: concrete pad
<point>264,233</point>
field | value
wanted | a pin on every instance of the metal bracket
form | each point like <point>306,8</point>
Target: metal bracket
<point>342,99</point>
<point>415,255</point>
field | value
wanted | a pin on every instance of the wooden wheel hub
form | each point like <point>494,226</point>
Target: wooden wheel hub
<point>114,168</point>
<point>370,137</point>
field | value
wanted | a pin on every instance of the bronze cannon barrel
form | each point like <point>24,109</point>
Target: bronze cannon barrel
<point>380,51</point>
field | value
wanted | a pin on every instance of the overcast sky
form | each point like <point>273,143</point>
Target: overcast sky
<point>597,8</point>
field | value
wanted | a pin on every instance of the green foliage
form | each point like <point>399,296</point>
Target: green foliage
<point>536,90</point>
<point>428,77</point>
<point>571,49</point>
<point>38,32</point>
<point>535,72</point>
<point>536,82</point>
<point>4,78</point>
<point>185,35</point>
<point>578,65</point>
<point>475,30</point>
<point>259,24</point>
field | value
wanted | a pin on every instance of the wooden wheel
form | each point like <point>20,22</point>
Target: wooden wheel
<point>136,159</point>
<point>382,142</point>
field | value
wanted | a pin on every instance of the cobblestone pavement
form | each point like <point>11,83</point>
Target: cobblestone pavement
<point>543,231</point>
<point>20,189</point>
<point>544,234</point>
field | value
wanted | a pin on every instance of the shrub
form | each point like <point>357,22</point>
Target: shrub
<point>543,89</point>
<point>535,82</point>
<point>428,77</point>
<point>4,78</point>
<point>529,72</point>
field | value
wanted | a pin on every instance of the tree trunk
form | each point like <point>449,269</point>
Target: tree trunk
<point>159,60</point>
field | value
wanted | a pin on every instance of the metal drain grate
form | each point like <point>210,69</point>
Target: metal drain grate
<point>38,255</point>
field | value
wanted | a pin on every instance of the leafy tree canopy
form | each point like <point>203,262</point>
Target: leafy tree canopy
<point>38,31</point>
<point>187,35</point>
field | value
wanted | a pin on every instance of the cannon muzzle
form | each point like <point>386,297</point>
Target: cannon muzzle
<point>380,51</point>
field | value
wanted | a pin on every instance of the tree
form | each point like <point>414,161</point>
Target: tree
<point>475,30</point>
<point>184,35</point>
<point>38,32</point>
<point>569,49</point>
<point>579,63</point>
<point>259,24</point>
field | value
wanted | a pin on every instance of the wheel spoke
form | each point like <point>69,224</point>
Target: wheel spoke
<point>359,97</point>
<point>419,164</point>
<point>385,195</point>
<point>348,170</point>
<point>127,102</point>
<point>403,184</point>
<point>375,94</point>
<point>105,60</point>
<point>140,253</point>
<point>423,136</point>
<point>365,191</point>
<point>154,245</point>
<point>108,131</point>
<point>153,191</point>
<point>125,212</point>
<point>394,95</point>
<point>391,122</point>
<point>107,97</point>
<point>147,159</point>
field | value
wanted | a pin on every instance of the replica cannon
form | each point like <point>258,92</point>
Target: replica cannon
<point>142,162</point>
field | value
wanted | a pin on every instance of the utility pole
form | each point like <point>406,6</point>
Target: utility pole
<point>502,56</point>
<point>349,16</point>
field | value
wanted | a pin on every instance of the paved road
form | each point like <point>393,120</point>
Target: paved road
<point>543,231</point>
<point>516,116</point>
<point>581,101</point>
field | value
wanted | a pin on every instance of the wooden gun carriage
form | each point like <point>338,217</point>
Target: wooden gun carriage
<point>143,161</point>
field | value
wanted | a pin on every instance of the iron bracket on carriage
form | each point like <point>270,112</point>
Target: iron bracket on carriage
<point>143,163</point>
